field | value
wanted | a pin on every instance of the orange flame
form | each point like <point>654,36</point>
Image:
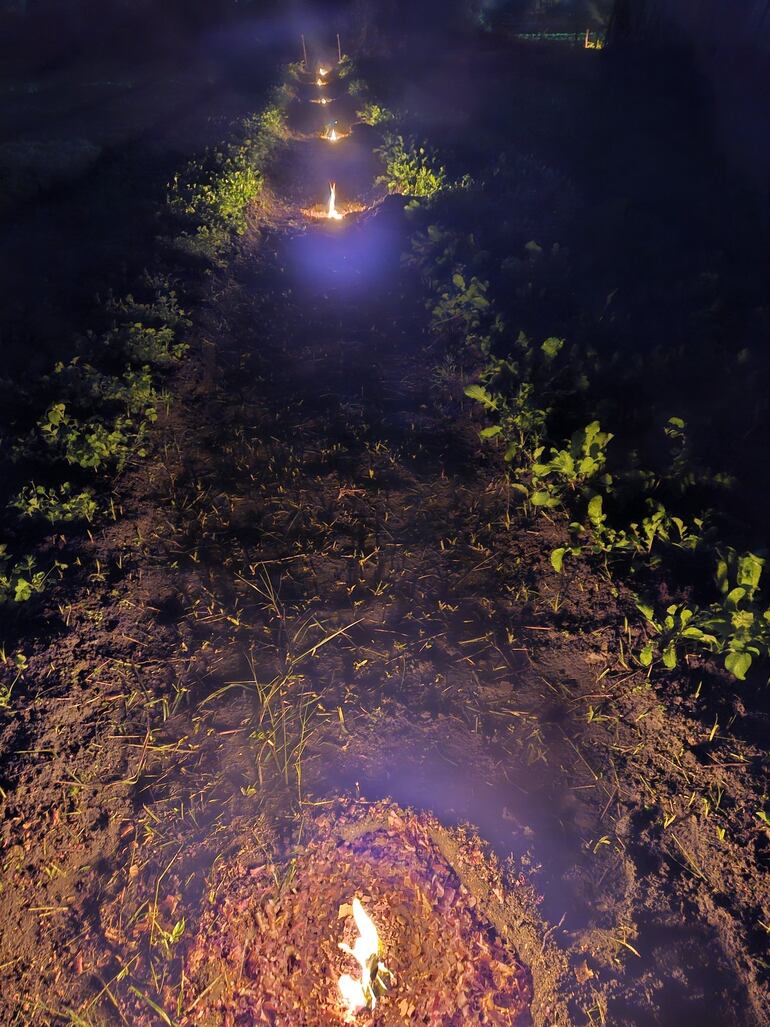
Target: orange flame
<point>332,212</point>
<point>361,992</point>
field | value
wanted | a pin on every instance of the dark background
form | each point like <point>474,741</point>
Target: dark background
<point>728,41</point>
<point>102,101</point>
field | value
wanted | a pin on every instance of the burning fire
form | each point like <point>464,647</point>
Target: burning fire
<point>323,72</point>
<point>333,213</point>
<point>363,992</point>
<point>322,99</point>
<point>320,82</point>
<point>327,211</point>
<point>332,136</point>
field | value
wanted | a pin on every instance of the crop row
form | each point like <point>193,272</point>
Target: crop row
<point>94,413</point>
<point>644,523</point>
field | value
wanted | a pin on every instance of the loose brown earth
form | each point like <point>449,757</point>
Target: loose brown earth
<point>268,952</point>
<point>320,585</point>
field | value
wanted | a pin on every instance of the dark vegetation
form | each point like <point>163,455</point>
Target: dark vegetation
<point>483,474</point>
<point>629,412</point>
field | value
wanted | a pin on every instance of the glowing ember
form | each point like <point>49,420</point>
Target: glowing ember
<point>332,211</point>
<point>363,992</point>
<point>320,82</point>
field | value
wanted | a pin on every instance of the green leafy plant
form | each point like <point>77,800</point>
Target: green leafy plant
<point>83,387</point>
<point>521,389</point>
<point>143,344</point>
<point>91,444</point>
<point>55,505</point>
<point>410,169</point>
<point>357,88</point>
<point>162,311</point>
<point>272,122</point>
<point>136,392</point>
<point>216,191</point>
<point>519,422</point>
<point>167,939</point>
<point>345,67</point>
<point>464,303</point>
<point>737,627</point>
<point>639,537</point>
<point>514,399</point>
<point>19,579</point>
<point>374,114</point>
<point>570,469</point>
<point>433,252</point>
<point>224,197</point>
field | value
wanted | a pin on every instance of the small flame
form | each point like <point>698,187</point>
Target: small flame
<point>320,82</point>
<point>323,72</point>
<point>332,135</point>
<point>362,993</point>
<point>333,213</point>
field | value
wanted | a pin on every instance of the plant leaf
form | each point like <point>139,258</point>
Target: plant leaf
<point>738,664</point>
<point>557,559</point>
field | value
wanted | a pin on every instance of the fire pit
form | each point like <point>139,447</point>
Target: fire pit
<point>369,924</point>
<point>330,210</point>
<point>362,991</point>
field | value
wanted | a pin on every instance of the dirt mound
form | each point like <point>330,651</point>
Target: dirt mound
<point>268,949</point>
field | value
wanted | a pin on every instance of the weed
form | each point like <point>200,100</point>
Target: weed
<point>167,939</point>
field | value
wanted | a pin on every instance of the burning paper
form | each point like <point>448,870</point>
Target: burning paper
<point>362,992</point>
